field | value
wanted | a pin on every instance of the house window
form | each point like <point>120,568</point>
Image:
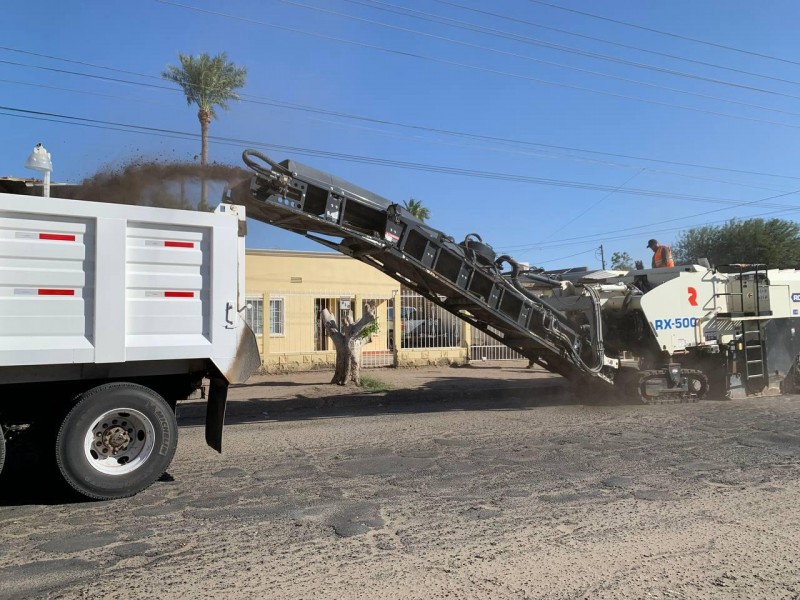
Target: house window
<point>254,314</point>
<point>276,316</point>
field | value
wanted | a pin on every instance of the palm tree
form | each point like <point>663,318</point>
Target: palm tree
<point>416,208</point>
<point>208,82</point>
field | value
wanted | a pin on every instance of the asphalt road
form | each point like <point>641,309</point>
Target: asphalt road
<point>522,496</point>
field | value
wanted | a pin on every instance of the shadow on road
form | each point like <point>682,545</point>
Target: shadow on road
<point>440,395</point>
<point>29,478</point>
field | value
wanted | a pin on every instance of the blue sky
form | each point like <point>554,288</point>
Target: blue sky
<point>559,124</point>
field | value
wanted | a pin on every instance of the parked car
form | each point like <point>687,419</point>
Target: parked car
<point>408,322</point>
<point>431,333</point>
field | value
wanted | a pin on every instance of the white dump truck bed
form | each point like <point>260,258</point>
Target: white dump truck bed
<point>96,283</point>
<point>110,315</point>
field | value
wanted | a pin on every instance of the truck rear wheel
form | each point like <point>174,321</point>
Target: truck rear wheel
<point>116,441</point>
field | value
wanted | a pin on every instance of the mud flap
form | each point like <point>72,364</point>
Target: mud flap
<point>247,359</point>
<point>215,412</point>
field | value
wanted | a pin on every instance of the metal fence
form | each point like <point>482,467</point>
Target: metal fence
<point>426,325</point>
<point>485,347</point>
<point>289,323</point>
<point>378,352</point>
<point>292,323</point>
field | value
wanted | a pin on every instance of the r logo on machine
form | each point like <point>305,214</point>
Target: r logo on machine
<point>795,297</point>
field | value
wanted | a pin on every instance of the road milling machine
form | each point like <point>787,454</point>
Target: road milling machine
<point>657,335</point>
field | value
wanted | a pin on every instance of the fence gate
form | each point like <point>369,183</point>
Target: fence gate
<point>378,352</point>
<point>425,324</point>
<point>484,347</point>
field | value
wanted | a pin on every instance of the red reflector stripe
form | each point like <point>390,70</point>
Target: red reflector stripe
<point>179,244</point>
<point>179,294</point>
<point>61,237</point>
<point>46,292</point>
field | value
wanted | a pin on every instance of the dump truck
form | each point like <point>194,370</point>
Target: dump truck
<point>110,315</point>
<point>665,335</point>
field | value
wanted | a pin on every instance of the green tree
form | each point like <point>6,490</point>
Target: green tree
<point>208,82</point>
<point>775,242</point>
<point>416,208</point>
<point>621,261</point>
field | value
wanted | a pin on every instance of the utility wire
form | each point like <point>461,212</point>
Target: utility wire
<point>430,17</point>
<point>552,260</point>
<point>666,33</point>
<point>74,91</point>
<point>601,236</point>
<point>287,106</point>
<point>603,41</point>
<point>89,75</point>
<point>311,109</point>
<point>682,227</point>
<point>458,64</point>
<point>105,125</point>
<point>567,67</point>
<point>592,206</point>
<point>665,230</point>
<point>389,162</point>
<point>537,154</point>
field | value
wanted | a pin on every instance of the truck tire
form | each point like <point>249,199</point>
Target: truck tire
<point>116,441</point>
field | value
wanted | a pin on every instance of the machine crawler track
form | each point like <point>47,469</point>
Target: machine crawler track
<point>652,387</point>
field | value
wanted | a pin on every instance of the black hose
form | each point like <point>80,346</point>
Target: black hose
<point>596,340</point>
<point>515,270</point>
<point>263,157</point>
<point>505,258</point>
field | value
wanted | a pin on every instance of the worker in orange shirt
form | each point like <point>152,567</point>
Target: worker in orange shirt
<point>662,254</point>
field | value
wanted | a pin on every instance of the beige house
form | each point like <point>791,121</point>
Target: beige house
<point>287,290</point>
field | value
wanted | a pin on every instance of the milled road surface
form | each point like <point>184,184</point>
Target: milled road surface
<point>516,494</point>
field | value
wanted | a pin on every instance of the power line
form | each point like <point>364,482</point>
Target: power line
<point>430,17</point>
<point>74,91</point>
<point>538,154</point>
<point>223,141</point>
<point>89,75</point>
<point>166,133</point>
<point>548,155</point>
<point>391,162</point>
<point>300,107</point>
<point>682,227</point>
<point>666,230</point>
<point>552,260</point>
<point>667,33</point>
<point>453,63</point>
<point>78,62</point>
<point>603,235</point>
<point>605,41</point>
<point>570,67</point>
<point>591,207</point>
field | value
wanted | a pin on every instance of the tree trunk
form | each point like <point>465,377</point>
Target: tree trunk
<point>204,117</point>
<point>348,342</point>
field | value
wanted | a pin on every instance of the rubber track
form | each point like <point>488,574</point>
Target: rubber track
<point>677,397</point>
